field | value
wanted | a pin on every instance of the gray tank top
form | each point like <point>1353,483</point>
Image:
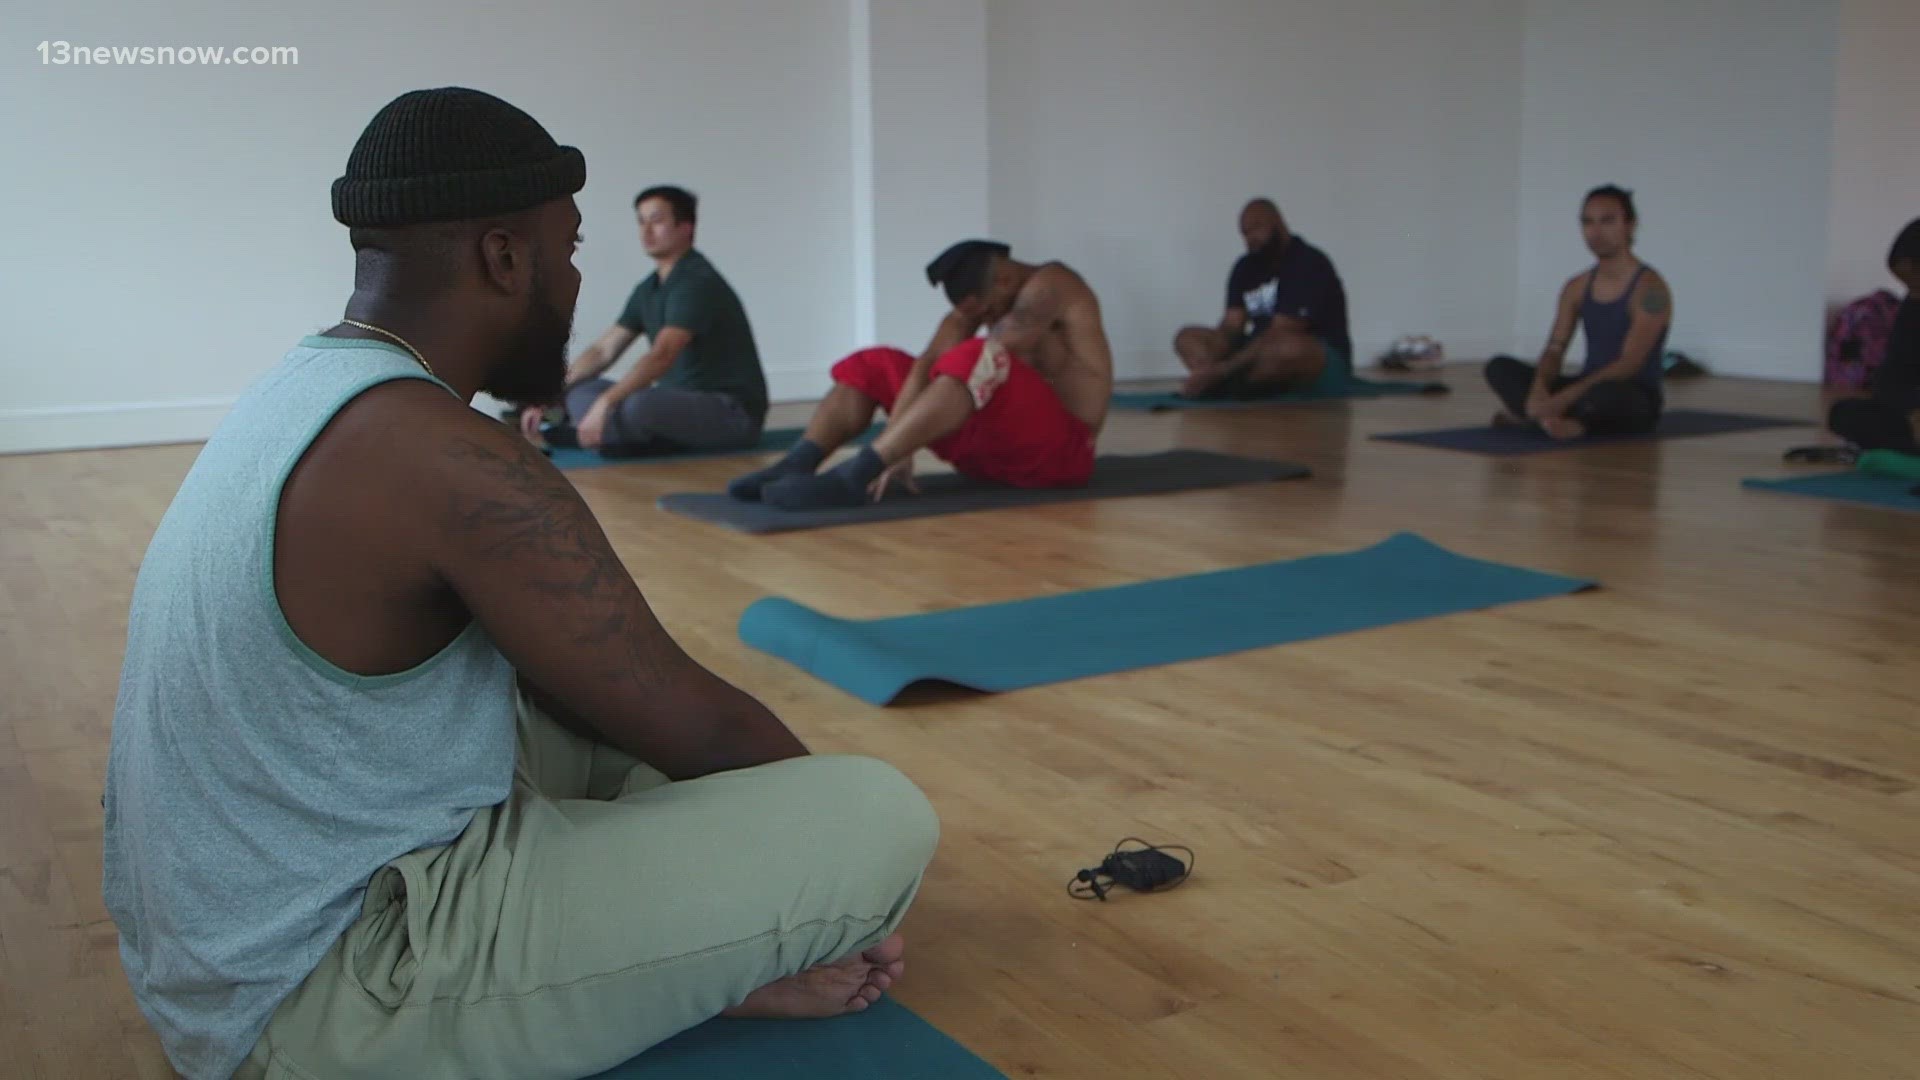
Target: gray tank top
<point>1606,328</point>
<point>253,788</point>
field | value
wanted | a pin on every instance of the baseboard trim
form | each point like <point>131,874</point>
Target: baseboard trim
<point>110,426</point>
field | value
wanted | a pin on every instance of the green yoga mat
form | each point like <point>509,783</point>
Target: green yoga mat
<point>885,1042</point>
<point>1354,388</point>
<point>1008,646</point>
<point>1890,463</point>
<point>1893,492</point>
<point>771,440</point>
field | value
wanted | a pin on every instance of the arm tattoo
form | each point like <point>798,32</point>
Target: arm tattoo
<point>533,516</point>
<point>1654,299</point>
<point>531,522</point>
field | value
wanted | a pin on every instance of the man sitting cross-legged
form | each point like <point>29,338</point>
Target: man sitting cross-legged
<point>407,778</point>
<point>1284,328</point>
<point>1021,406</point>
<point>1625,308</point>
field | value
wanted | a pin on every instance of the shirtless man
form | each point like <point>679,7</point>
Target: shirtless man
<point>1624,308</point>
<point>407,778</point>
<point>1022,405</point>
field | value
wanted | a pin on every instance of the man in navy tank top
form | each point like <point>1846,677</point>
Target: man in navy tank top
<point>1624,308</point>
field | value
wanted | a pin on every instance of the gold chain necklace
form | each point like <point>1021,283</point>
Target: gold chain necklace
<point>403,341</point>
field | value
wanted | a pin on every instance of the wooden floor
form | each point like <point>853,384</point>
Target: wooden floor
<point>1669,828</point>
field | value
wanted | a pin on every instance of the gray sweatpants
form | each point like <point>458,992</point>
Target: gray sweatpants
<point>649,418</point>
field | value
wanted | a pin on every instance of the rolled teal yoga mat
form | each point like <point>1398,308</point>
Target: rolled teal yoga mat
<point>1893,492</point>
<point>1008,646</point>
<point>771,439</point>
<point>1356,388</point>
<point>886,1042</point>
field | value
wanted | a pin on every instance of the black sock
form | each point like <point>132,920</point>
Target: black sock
<point>843,485</point>
<point>800,461</point>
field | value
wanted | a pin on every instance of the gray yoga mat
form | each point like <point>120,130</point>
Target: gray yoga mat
<point>1114,476</point>
<point>1165,401</point>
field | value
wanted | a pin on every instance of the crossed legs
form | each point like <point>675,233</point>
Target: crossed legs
<point>1617,407</point>
<point>602,909</point>
<point>1885,422</point>
<point>1280,359</point>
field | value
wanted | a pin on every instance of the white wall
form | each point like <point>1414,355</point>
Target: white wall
<point>169,227</point>
<point>171,234</point>
<point>1127,134</point>
<point>927,95</point>
<point>1876,143</point>
<point>1719,115</point>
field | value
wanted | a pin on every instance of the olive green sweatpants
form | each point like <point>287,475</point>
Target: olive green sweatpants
<point>600,910</point>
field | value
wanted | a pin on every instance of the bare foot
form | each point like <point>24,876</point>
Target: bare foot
<point>1562,428</point>
<point>1201,380</point>
<point>847,985</point>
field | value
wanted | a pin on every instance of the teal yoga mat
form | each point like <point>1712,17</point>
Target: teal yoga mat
<point>771,440</point>
<point>886,1042</point>
<point>1893,492</point>
<point>1355,388</point>
<point>1023,643</point>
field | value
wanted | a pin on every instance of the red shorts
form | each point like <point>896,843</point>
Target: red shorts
<point>1019,434</point>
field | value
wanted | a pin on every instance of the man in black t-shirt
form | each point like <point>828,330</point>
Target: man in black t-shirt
<point>1887,419</point>
<point>1285,326</point>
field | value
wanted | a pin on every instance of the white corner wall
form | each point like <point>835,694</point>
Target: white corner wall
<point>1719,115</point>
<point>926,103</point>
<point>172,236</point>
<point>1876,143</point>
<point>170,226</point>
<point>1127,134</point>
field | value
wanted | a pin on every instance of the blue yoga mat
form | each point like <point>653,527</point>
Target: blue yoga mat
<point>1024,643</point>
<point>1356,388</point>
<point>771,439</point>
<point>1854,487</point>
<point>1675,424</point>
<point>886,1042</point>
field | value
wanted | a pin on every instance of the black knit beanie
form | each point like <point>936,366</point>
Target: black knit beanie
<point>452,153</point>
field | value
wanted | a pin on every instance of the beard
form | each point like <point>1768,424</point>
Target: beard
<point>534,370</point>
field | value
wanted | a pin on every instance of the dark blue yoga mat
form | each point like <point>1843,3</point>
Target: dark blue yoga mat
<point>771,439</point>
<point>886,1042</point>
<point>1357,388</point>
<point>1007,646</point>
<point>1894,492</point>
<point>1676,424</point>
<point>1114,476</point>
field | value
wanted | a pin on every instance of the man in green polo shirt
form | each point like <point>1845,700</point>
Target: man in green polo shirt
<point>699,386</point>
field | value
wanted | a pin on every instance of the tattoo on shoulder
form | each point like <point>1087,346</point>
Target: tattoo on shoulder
<point>1654,299</point>
<point>529,520</point>
<point>531,517</point>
